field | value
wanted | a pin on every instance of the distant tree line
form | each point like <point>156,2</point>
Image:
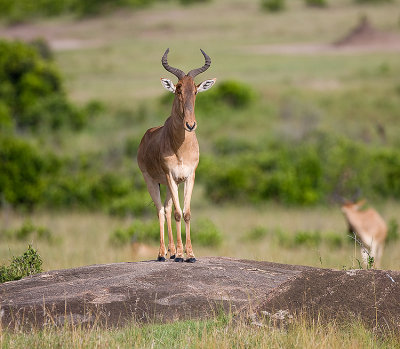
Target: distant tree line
<point>21,10</point>
<point>279,5</point>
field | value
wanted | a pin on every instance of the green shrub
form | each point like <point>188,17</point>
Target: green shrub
<point>393,231</point>
<point>55,112</point>
<point>372,1</point>
<point>32,92</point>
<point>273,5</point>
<point>190,2</point>
<point>316,3</point>
<point>136,203</point>
<point>255,234</point>
<point>205,233</point>
<point>29,230</point>
<point>231,93</point>
<point>137,232</point>
<point>307,238</point>
<point>334,240</point>
<point>22,173</point>
<point>28,264</point>
<point>305,173</point>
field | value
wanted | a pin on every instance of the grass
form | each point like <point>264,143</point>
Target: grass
<point>219,332</point>
<point>74,234</point>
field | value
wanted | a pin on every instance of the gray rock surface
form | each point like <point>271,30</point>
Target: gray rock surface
<point>112,294</point>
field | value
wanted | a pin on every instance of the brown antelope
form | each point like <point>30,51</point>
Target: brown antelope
<point>169,155</point>
<point>369,227</point>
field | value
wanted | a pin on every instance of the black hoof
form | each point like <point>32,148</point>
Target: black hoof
<point>190,260</point>
<point>161,259</point>
<point>178,259</point>
<point>172,257</point>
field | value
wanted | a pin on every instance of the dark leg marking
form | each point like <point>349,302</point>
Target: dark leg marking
<point>178,259</point>
<point>190,260</point>
<point>160,259</point>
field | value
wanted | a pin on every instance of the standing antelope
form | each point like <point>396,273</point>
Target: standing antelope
<point>369,227</point>
<point>169,155</point>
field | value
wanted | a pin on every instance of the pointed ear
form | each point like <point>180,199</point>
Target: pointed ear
<point>168,85</point>
<point>205,85</point>
<point>361,203</point>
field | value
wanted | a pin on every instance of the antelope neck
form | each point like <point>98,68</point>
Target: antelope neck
<point>175,129</point>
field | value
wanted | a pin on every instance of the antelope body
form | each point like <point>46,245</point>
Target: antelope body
<point>369,227</point>
<point>169,155</point>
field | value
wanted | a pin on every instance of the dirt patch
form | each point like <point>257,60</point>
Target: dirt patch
<point>363,38</point>
<point>364,34</point>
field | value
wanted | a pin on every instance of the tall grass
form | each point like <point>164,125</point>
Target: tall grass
<point>222,332</point>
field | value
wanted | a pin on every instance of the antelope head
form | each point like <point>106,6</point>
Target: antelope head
<point>186,90</point>
<point>349,206</point>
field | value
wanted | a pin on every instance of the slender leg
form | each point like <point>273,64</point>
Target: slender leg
<point>168,211</point>
<point>364,254</point>
<point>187,215</point>
<point>173,189</point>
<point>154,190</point>
<point>379,253</point>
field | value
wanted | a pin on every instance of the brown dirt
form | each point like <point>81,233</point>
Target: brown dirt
<point>365,34</point>
<point>363,38</point>
<point>113,294</point>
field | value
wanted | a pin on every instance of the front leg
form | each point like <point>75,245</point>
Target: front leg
<point>173,189</point>
<point>187,215</point>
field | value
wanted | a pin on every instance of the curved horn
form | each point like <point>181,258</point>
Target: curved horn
<point>177,72</point>
<point>207,64</point>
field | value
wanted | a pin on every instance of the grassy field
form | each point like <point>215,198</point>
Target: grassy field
<point>116,59</point>
<point>117,62</point>
<point>220,332</point>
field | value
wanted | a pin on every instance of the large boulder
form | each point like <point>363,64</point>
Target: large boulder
<point>112,294</point>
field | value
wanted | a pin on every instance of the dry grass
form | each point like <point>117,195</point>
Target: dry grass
<point>221,332</point>
<point>84,238</point>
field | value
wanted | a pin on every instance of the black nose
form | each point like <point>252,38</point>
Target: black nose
<point>190,127</point>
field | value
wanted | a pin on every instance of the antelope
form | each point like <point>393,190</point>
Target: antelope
<point>369,227</point>
<point>169,155</point>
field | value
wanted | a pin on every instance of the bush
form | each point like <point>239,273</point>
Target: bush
<point>22,173</point>
<point>372,1</point>
<point>28,230</point>
<point>31,89</point>
<point>255,234</point>
<point>136,203</point>
<point>393,231</point>
<point>316,3</point>
<point>231,93</point>
<point>307,238</point>
<point>273,5</point>
<point>205,233</point>
<point>28,264</point>
<point>313,171</point>
<point>137,232</point>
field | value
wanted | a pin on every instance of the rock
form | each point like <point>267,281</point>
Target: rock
<point>113,294</point>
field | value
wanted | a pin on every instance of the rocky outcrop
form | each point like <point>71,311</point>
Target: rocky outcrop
<point>112,294</point>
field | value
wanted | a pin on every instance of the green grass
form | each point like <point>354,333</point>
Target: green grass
<point>220,332</point>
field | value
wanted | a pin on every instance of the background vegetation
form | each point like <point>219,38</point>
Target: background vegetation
<point>282,135</point>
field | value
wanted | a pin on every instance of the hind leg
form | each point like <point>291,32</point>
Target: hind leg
<point>154,190</point>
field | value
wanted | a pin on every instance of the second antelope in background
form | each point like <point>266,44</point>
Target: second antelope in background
<point>169,155</point>
<point>369,227</point>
